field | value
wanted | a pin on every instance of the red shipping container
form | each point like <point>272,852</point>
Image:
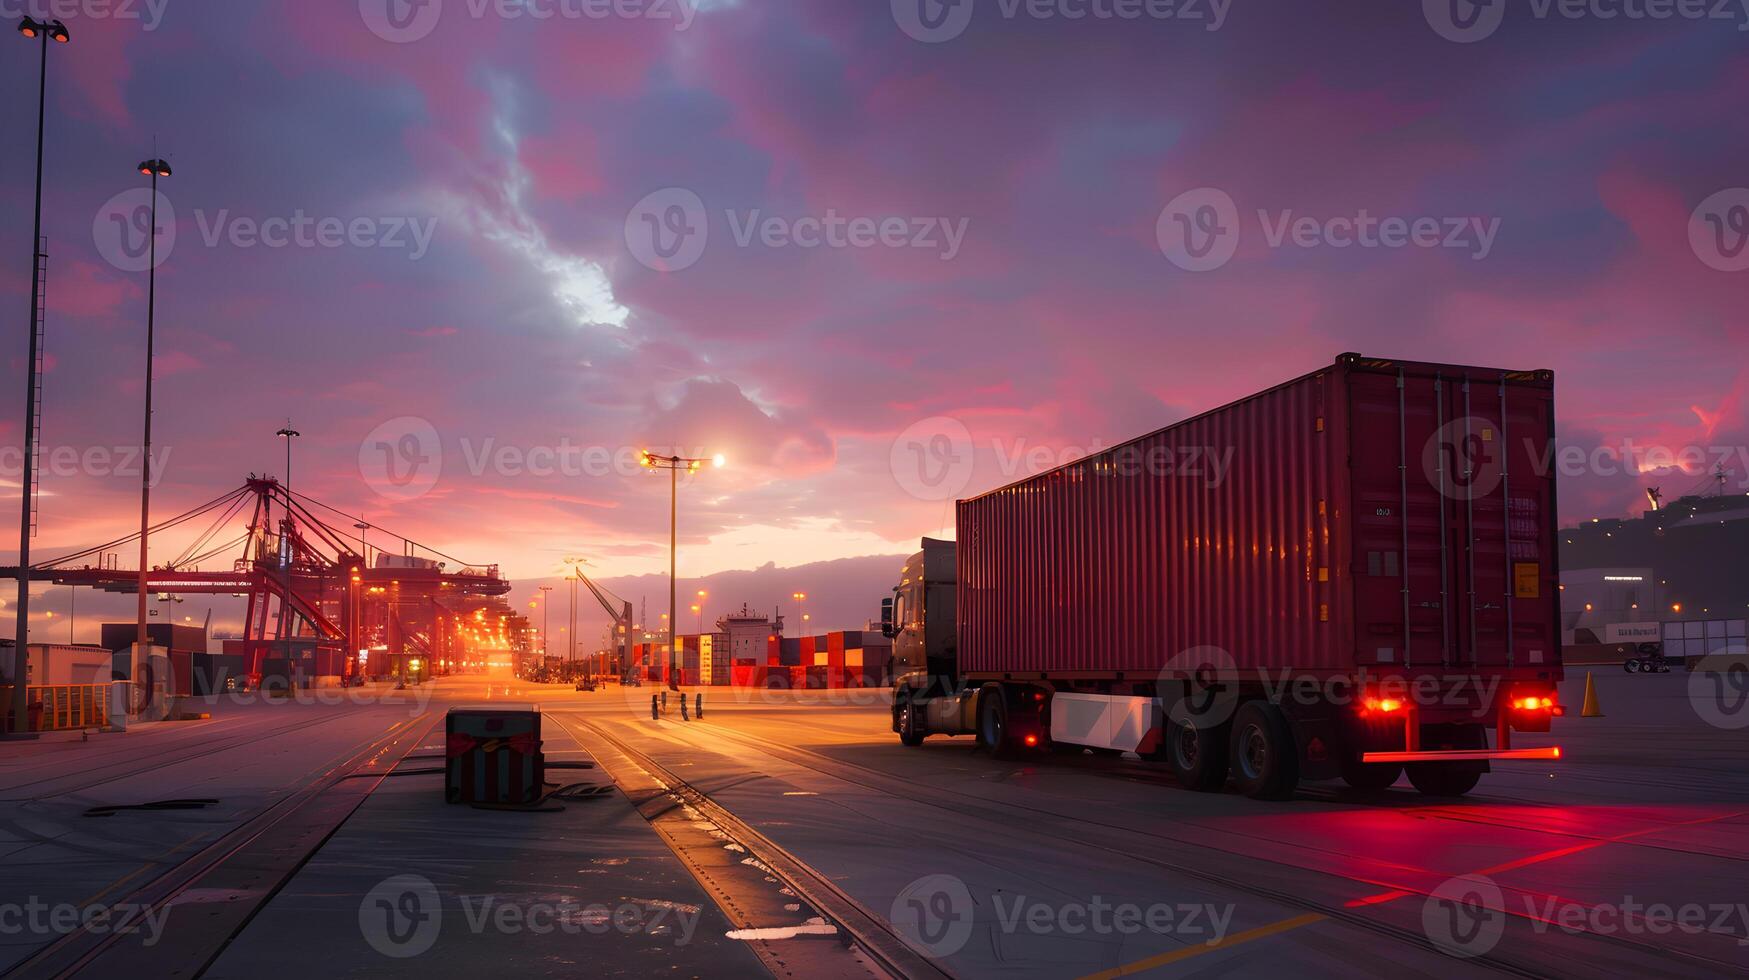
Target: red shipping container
<point>1376,514</point>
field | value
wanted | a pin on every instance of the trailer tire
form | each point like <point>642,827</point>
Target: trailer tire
<point>993,734</point>
<point>1196,753</point>
<point>1369,776</point>
<point>1631,666</point>
<point>1265,761</point>
<point>1443,778</point>
<point>911,734</point>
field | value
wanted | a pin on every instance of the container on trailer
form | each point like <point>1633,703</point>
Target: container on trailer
<point>1386,515</point>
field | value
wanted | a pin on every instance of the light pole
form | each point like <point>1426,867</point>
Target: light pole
<point>153,169</point>
<point>42,33</point>
<point>674,464</point>
<point>801,599</point>
<point>285,555</point>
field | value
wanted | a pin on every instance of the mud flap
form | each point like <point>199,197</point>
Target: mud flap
<point>1320,748</point>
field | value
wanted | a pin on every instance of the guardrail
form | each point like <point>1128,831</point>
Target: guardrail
<point>59,707</point>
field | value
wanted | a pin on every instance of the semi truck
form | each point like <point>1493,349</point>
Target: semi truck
<point>1348,575</point>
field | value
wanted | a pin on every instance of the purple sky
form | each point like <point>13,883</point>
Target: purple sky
<point>1000,191</point>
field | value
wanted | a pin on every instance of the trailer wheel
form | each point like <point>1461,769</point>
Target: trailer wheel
<point>1266,764</point>
<point>910,732</point>
<point>1443,778</point>
<point>1195,750</point>
<point>1369,776</point>
<point>1631,666</point>
<point>1449,778</point>
<point>993,734</point>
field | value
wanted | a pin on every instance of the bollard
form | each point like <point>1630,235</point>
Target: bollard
<point>654,714</point>
<point>664,700</point>
<point>683,716</point>
<point>698,712</point>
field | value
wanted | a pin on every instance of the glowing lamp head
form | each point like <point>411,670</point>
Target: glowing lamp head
<point>58,33</point>
<point>29,27</point>
<point>719,460</point>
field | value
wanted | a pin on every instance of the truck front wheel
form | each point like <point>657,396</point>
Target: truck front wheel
<point>1196,751</point>
<point>910,730</point>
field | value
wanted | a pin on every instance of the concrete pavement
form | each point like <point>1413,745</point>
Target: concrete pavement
<point>1626,857</point>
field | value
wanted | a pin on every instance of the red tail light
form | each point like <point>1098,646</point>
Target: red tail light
<point>1383,704</point>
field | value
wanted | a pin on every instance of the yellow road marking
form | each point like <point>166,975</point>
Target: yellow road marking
<point>1235,939</point>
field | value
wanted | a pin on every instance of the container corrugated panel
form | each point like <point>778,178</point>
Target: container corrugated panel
<point>1317,525</point>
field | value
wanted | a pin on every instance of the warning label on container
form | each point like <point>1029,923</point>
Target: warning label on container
<point>1527,579</point>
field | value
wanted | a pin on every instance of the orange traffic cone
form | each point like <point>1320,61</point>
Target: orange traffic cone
<point>1591,709</point>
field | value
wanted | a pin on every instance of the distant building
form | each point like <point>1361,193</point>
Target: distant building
<point>1696,551</point>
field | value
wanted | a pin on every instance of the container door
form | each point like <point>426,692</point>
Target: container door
<point>1501,504</point>
<point>1401,567</point>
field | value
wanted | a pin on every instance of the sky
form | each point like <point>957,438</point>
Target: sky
<point>482,252</point>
